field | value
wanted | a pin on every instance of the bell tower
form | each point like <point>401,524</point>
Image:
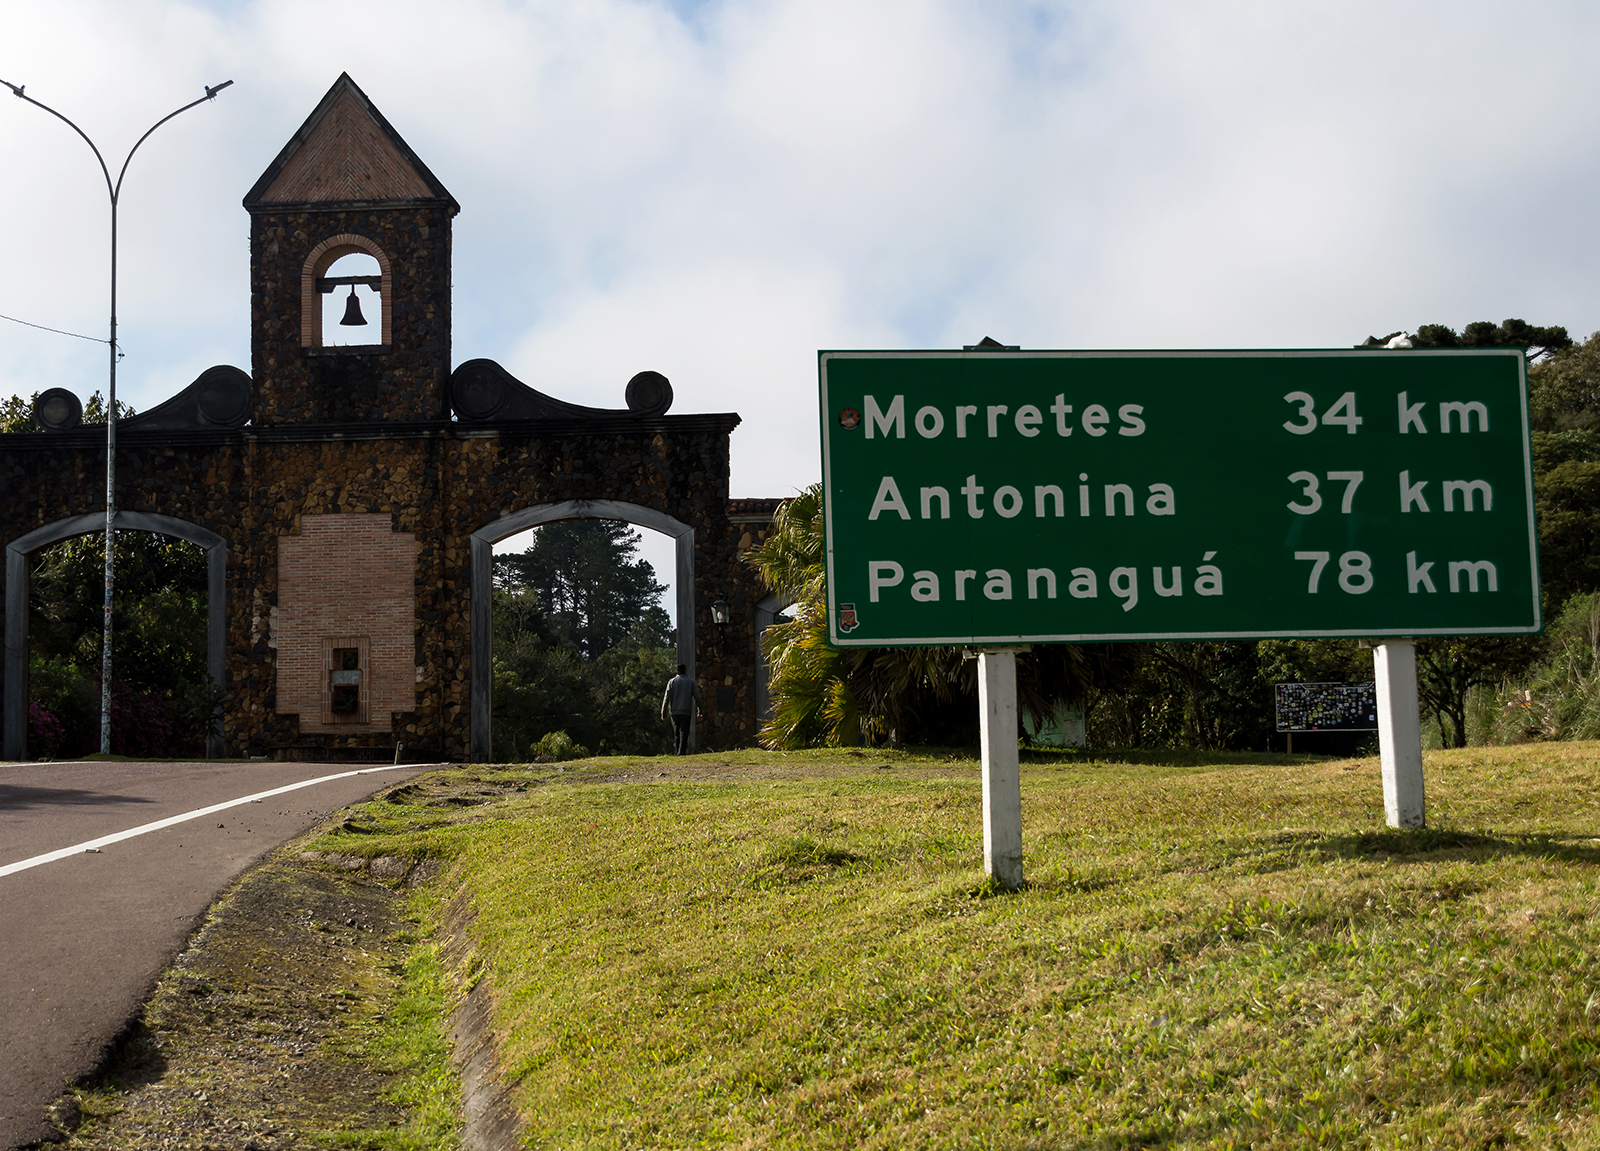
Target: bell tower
<point>345,185</point>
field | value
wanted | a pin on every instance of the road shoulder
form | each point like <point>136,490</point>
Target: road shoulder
<point>257,1036</point>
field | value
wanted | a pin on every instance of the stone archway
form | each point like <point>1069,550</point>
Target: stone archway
<point>19,585</point>
<point>483,541</point>
<point>388,431</point>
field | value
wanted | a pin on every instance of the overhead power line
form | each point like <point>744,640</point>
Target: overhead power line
<point>57,331</point>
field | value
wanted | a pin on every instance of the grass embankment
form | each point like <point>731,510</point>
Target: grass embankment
<point>1205,956</point>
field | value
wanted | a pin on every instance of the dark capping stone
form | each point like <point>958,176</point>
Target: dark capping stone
<point>481,391</point>
<point>220,397</point>
<point>57,409</point>
<point>91,437</point>
<point>649,393</point>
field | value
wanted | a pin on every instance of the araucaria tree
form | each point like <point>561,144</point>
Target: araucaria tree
<point>581,644</point>
<point>589,584</point>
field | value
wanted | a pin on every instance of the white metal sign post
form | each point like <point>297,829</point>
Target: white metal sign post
<point>1002,780</point>
<point>1400,733</point>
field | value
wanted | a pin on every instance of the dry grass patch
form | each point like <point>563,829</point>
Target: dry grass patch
<point>304,1014</point>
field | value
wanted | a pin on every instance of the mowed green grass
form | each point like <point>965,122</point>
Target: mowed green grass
<point>1206,955</point>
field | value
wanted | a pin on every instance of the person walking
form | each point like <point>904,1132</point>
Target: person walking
<point>682,700</point>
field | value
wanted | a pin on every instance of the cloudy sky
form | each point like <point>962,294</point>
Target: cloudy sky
<point>717,190</point>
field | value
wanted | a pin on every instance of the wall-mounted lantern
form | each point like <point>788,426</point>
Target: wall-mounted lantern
<point>719,612</point>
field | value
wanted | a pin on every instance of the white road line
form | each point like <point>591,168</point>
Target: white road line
<point>142,829</point>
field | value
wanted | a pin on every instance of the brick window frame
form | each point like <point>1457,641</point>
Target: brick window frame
<point>318,262</point>
<point>363,646</point>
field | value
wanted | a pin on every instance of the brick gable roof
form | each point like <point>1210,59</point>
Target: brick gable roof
<point>346,152</point>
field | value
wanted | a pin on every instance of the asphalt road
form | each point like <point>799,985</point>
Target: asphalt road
<point>84,937</point>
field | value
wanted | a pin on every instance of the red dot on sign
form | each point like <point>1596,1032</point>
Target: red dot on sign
<point>849,418</point>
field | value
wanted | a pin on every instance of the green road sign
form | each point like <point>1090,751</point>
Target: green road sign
<point>1016,497</point>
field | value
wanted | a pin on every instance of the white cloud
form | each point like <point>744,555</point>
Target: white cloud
<point>716,191</point>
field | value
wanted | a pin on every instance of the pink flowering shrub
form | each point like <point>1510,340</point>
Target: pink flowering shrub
<point>44,732</point>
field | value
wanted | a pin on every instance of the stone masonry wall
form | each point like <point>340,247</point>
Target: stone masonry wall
<point>397,478</point>
<point>750,524</point>
<point>409,380</point>
<point>436,481</point>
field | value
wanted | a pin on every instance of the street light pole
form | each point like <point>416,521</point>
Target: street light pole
<point>115,192</point>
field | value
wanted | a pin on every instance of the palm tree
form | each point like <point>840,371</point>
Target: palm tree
<point>812,701</point>
<point>832,697</point>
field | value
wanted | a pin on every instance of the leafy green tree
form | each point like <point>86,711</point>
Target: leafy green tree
<point>159,618</point>
<point>1565,388</point>
<point>1562,383</point>
<point>1568,502</point>
<point>162,696</point>
<point>1564,397</point>
<point>1540,342</point>
<point>610,704</point>
<point>1314,661</point>
<point>1565,695</point>
<point>1208,695</point>
<point>628,680</point>
<point>1227,702</point>
<point>537,692</point>
<point>1449,668</point>
<point>16,413</point>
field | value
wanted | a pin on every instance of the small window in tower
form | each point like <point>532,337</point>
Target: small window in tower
<point>352,306</point>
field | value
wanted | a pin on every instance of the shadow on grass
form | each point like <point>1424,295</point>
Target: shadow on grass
<point>1432,843</point>
<point>800,859</point>
<point>1066,882</point>
<point>1163,757</point>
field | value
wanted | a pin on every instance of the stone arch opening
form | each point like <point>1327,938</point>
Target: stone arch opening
<point>19,579</point>
<point>769,611</point>
<point>482,615</point>
<point>315,286</point>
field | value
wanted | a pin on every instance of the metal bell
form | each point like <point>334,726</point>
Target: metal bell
<point>352,311</point>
